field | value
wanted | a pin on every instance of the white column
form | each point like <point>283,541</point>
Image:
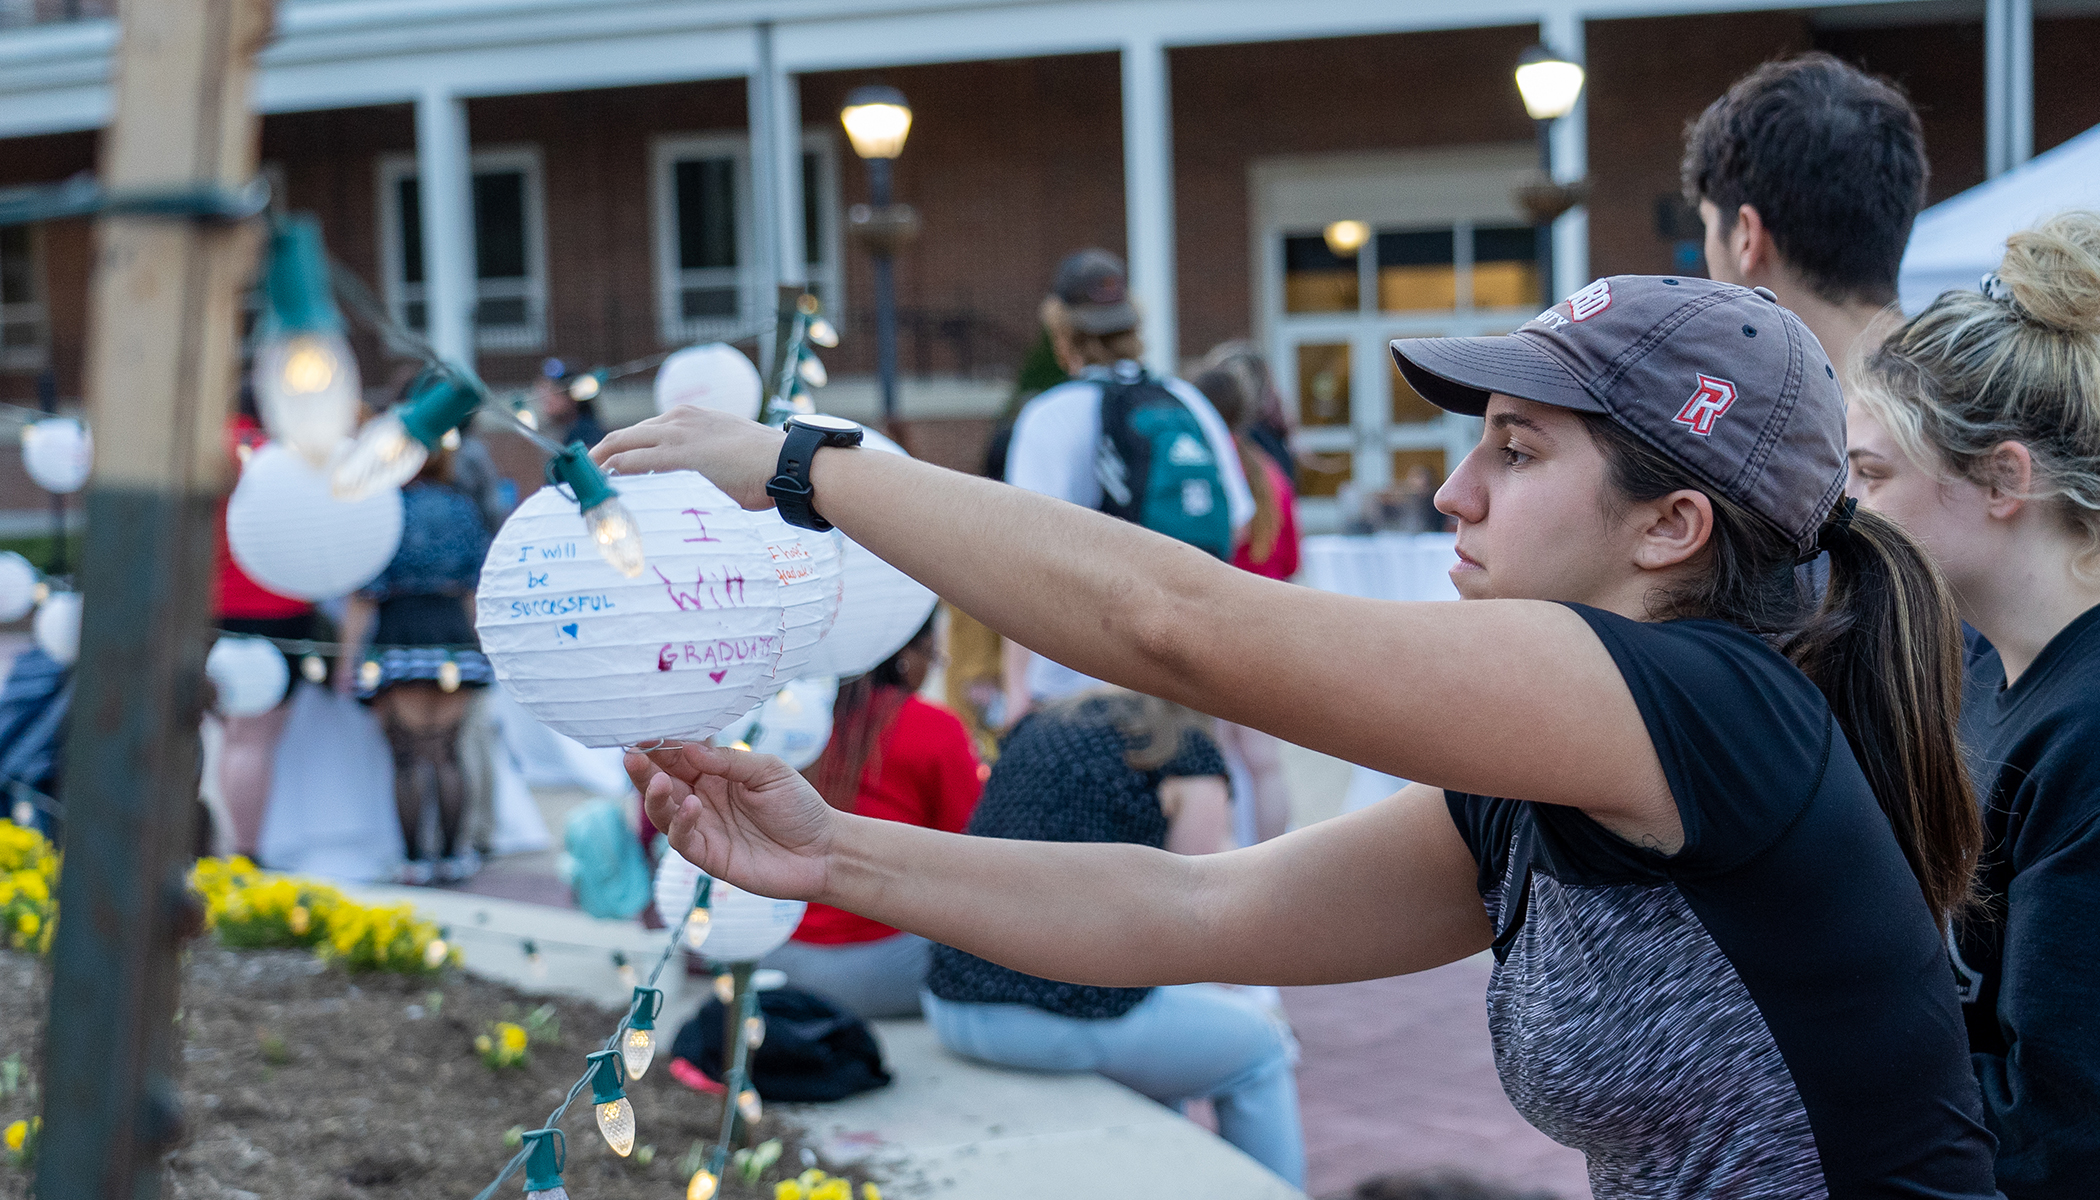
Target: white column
<point>2008,84</point>
<point>791,254</point>
<point>761,96</point>
<point>1562,32</point>
<point>1148,198</point>
<point>445,188</point>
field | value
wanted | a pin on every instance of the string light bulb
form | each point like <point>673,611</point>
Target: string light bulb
<point>306,380</point>
<point>394,445</point>
<point>725,987</point>
<point>609,1103</point>
<point>314,668</point>
<point>608,521</point>
<point>703,1185</point>
<point>534,964</point>
<point>623,968</point>
<point>543,1163</point>
<point>821,333</point>
<point>697,926</point>
<point>585,387</point>
<point>754,1032</point>
<point>638,1044</point>
<point>748,1106</point>
<point>811,368</point>
<point>448,676</point>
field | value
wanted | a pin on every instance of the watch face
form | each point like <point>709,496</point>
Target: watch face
<point>828,423</point>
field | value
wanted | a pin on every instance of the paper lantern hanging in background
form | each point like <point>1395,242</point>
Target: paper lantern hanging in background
<point>713,376</point>
<point>675,653</point>
<point>17,586</point>
<point>248,673</point>
<point>880,607</point>
<point>793,724</point>
<point>57,452</point>
<point>740,926</point>
<point>57,627</point>
<point>290,534</point>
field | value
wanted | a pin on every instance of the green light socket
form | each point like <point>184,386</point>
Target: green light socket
<point>296,281</point>
<point>438,403</point>
<point>574,467</point>
<point>648,1004</point>
<point>605,1077</point>
<point>550,1153</point>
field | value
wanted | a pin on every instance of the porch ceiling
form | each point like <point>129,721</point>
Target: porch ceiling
<point>351,53</point>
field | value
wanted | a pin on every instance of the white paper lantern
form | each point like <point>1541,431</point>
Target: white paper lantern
<point>880,607</point>
<point>794,723</point>
<point>249,674</point>
<point>740,926</point>
<point>675,653</point>
<point>713,376</point>
<point>57,453</point>
<point>57,627</point>
<point>810,564</point>
<point>290,534</point>
<point>17,586</point>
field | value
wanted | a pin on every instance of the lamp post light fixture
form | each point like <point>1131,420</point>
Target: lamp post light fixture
<point>1345,238</point>
<point>877,121</point>
<point>1550,85</point>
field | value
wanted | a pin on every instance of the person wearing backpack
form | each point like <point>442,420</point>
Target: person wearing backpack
<point>1118,439</point>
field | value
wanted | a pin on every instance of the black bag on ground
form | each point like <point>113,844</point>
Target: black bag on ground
<point>812,1052</point>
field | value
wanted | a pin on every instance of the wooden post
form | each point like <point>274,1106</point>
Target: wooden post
<point>162,360</point>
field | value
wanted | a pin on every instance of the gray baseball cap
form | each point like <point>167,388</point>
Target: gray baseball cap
<point>1095,292</point>
<point>1718,377</point>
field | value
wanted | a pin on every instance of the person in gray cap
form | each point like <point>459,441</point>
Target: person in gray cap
<point>1712,829</point>
<point>1065,443</point>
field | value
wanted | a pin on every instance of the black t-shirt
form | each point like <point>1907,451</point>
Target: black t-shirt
<point>1765,1013</point>
<point>2025,956</point>
<point>1063,778</point>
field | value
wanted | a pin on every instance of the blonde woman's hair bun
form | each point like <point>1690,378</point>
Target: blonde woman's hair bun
<point>2053,272</point>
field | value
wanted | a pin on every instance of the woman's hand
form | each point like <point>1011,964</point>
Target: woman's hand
<point>747,818</point>
<point>737,455</point>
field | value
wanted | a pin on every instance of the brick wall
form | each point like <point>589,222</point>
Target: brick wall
<point>67,249</point>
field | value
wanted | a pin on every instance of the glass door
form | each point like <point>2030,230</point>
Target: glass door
<point>1361,428</point>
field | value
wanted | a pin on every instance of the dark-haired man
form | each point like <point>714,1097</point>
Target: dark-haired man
<point>1808,174</point>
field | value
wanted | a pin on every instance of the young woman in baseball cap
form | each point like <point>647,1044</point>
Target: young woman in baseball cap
<point>1711,832</point>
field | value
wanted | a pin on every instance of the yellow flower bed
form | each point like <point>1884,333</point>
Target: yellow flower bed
<point>505,1045</point>
<point>28,889</point>
<point>246,907</point>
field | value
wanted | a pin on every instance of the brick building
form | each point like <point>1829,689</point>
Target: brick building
<point>600,180</point>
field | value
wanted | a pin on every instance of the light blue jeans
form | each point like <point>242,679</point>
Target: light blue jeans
<point>1180,1043</point>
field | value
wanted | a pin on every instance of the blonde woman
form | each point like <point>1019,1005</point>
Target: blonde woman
<point>1978,429</point>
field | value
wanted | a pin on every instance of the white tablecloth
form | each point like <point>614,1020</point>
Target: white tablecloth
<point>1379,566</point>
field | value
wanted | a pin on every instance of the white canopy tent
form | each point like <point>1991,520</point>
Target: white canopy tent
<point>1960,238</point>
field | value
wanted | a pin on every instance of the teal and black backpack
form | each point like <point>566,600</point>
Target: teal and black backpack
<point>1155,466</point>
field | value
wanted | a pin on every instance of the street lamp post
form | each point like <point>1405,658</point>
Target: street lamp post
<point>1550,85</point>
<point>877,120</point>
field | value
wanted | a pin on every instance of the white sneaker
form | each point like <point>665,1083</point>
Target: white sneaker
<point>415,872</point>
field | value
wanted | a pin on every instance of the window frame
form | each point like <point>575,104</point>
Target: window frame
<point>525,337</point>
<point>35,311</point>
<point>753,287</point>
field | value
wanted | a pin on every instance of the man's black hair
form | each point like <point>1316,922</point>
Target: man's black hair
<point>1832,159</point>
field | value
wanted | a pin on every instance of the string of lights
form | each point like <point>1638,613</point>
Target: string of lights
<point>630,1049</point>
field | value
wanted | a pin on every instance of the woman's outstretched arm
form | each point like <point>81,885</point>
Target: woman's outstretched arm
<point>1512,698</point>
<point>1380,892</point>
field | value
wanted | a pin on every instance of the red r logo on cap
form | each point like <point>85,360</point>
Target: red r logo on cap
<point>1590,301</point>
<point>1706,405</point>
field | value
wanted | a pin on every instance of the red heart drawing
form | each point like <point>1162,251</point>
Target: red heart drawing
<point>716,675</point>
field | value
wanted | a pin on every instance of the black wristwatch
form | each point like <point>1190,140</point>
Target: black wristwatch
<point>789,486</point>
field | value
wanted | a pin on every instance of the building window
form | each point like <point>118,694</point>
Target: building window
<point>709,284</point>
<point>25,339</point>
<point>510,247</point>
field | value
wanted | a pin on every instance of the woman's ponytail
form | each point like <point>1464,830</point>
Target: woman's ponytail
<point>1885,649</point>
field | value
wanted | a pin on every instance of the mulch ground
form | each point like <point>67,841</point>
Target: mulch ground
<point>300,1081</point>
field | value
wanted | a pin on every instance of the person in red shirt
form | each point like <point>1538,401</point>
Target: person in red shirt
<point>899,758</point>
<point>241,605</point>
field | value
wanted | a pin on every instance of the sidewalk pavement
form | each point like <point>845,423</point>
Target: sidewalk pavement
<point>1398,1075</point>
